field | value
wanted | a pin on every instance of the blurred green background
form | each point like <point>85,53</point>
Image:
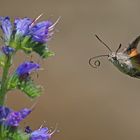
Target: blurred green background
<point>87,103</point>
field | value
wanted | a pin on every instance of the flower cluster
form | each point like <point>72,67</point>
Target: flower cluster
<point>24,70</point>
<point>7,50</point>
<point>28,35</point>
<point>11,118</point>
<point>41,134</point>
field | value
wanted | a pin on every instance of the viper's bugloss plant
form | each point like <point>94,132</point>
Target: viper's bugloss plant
<point>28,35</point>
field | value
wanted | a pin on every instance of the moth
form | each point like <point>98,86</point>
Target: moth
<point>127,60</point>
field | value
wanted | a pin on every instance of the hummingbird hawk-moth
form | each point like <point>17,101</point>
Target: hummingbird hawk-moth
<point>127,60</point>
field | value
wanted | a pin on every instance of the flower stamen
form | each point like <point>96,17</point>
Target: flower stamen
<point>34,21</point>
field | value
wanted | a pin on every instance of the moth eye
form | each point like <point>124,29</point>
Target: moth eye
<point>129,52</point>
<point>115,58</point>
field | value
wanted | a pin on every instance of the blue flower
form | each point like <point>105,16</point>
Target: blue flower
<point>15,117</point>
<point>9,117</point>
<point>41,134</point>
<point>24,112</point>
<point>4,111</point>
<point>22,26</point>
<point>6,27</point>
<point>28,35</point>
<point>7,50</point>
<point>26,68</point>
<point>28,130</point>
<point>40,32</point>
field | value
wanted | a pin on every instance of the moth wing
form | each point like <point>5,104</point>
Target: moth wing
<point>132,48</point>
<point>136,62</point>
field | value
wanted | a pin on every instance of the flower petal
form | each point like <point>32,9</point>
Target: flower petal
<point>7,50</point>
<point>15,117</point>
<point>4,111</point>
<point>40,134</point>
<point>26,68</point>
<point>6,27</point>
<point>40,31</point>
<point>22,25</point>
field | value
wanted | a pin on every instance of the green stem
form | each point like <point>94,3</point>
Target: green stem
<point>4,80</point>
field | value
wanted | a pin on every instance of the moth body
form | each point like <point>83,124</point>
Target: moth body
<point>127,60</point>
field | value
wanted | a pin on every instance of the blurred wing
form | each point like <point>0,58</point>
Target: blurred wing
<point>135,60</point>
<point>135,71</point>
<point>132,49</point>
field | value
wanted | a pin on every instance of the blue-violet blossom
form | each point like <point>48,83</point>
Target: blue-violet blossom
<point>41,134</point>
<point>4,111</point>
<point>27,35</point>
<point>6,27</point>
<point>12,118</point>
<point>7,50</point>
<point>26,68</point>
<point>15,117</point>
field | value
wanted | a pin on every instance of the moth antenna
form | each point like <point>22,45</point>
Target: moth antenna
<point>34,21</point>
<point>119,48</point>
<point>103,43</point>
<point>96,62</point>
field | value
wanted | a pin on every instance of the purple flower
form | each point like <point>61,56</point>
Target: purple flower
<point>41,134</point>
<point>28,130</point>
<point>28,35</point>
<point>24,112</point>
<point>22,25</point>
<point>6,27</point>
<point>4,111</point>
<point>26,68</point>
<point>40,32</point>
<point>12,118</point>
<point>15,117</point>
<point>7,50</point>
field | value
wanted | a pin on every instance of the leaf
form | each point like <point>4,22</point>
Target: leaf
<point>42,50</point>
<point>47,53</point>
<point>13,82</point>
<point>28,87</point>
<point>12,133</point>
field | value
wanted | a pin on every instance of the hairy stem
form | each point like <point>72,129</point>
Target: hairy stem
<point>4,80</point>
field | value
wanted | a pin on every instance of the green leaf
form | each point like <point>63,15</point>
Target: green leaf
<point>42,50</point>
<point>12,133</point>
<point>47,53</point>
<point>27,44</point>
<point>28,87</point>
<point>13,82</point>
